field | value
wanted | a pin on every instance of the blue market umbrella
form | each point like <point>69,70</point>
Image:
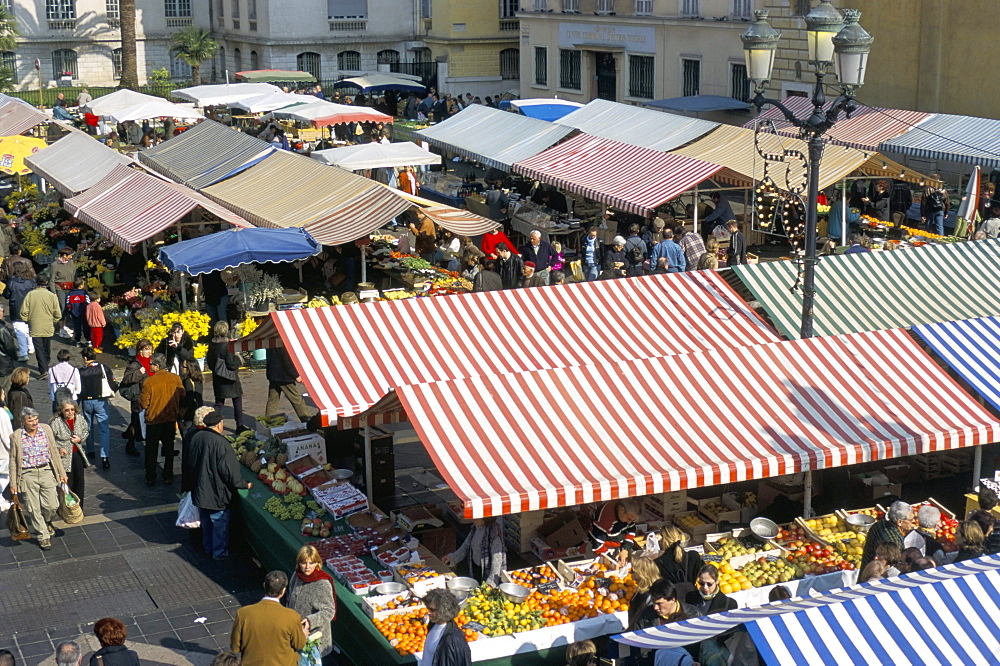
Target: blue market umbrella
<point>231,248</point>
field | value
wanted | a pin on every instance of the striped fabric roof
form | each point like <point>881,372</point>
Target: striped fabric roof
<point>636,126</point>
<point>17,118</point>
<point>630,178</point>
<point>495,138</point>
<point>866,129</point>
<point>970,348</point>
<point>205,154</point>
<point>946,615</point>
<point>459,221</point>
<point>733,147</point>
<point>75,162</point>
<point>809,404</point>
<point>128,206</point>
<point>287,190</point>
<point>951,138</point>
<point>349,359</point>
<point>877,290</point>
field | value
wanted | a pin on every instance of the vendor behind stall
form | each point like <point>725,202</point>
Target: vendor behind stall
<point>483,552</point>
<point>613,530</point>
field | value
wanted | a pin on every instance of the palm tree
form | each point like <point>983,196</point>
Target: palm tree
<point>194,46</point>
<point>130,67</point>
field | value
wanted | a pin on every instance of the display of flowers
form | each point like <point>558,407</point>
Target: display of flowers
<point>259,286</point>
<point>156,329</point>
<point>200,351</point>
<point>247,326</point>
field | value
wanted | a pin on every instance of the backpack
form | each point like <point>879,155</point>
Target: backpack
<point>636,254</point>
<point>936,200</point>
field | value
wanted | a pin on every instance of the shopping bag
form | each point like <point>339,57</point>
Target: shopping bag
<point>16,523</point>
<point>69,505</point>
<point>577,267</point>
<point>310,654</point>
<point>188,515</point>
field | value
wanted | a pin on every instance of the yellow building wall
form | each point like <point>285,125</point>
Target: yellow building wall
<point>467,33</point>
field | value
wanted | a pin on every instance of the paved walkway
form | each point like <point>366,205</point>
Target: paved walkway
<point>128,560</point>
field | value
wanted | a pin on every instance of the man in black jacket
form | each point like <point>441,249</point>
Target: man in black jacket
<point>97,385</point>
<point>8,352</point>
<point>282,378</point>
<point>216,476</point>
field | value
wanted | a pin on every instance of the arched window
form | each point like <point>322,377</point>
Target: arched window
<point>237,60</point>
<point>510,64</point>
<point>349,61</point>
<point>254,61</point>
<point>116,62</point>
<point>388,57</point>
<point>309,62</point>
<point>64,63</point>
<point>222,63</point>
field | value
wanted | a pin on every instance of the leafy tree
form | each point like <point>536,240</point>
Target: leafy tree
<point>194,46</point>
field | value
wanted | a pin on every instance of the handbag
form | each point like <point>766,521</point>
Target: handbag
<point>16,522</point>
<point>222,369</point>
<point>69,506</point>
<point>188,515</point>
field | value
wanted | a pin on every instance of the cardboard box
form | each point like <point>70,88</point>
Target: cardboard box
<point>877,486</point>
<point>289,427</point>
<point>312,444</point>
<point>544,551</point>
<point>659,507</point>
<point>426,515</point>
<point>562,531</point>
<point>710,508</point>
<point>697,532</point>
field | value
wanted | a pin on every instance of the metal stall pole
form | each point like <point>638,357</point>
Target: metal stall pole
<point>977,465</point>
<point>695,214</point>
<point>184,291</point>
<point>843,211</point>
<point>368,466</point>
<point>807,498</point>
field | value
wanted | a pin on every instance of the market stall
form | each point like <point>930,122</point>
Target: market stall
<point>879,290</point>
<point>970,348</point>
<point>206,154</point>
<point>160,108</point>
<point>270,102</point>
<point>495,138</point>
<point>17,118</point>
<point>287,190</point>
<point>275,76</point>
<point>851,626</point>
<point>377,155</point>
<point>637,126</point>
<point>543,109</point>
<point>129,206</point>
<point>320,113</point>
<point>235,247</point>
<point>221,94</point>
<point>379,83</point>
<point>950,138</point>
<point>75,162</point>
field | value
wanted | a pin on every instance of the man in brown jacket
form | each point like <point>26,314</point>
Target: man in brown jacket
<point>267,633</point>
<point>161,398</point>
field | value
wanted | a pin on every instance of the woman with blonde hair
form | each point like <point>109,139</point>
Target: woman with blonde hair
<point>644,573</point>
<point>311,594</point>
<point>676,564</point>
<point>225,367</point>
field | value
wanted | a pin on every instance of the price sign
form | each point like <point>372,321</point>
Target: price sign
<point>474,626</point>
<point>603,582</point>
<point>548,588</point>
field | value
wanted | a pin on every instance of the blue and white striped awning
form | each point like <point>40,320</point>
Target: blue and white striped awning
<point>970,348</point>
<point>945,616</point>
<point>951,138</point>
<point>206,154</point>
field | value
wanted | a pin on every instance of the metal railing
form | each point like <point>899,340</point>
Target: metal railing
<point>348,26</point>
<point>179,22</point>
<point>63,24</point>
<point>509,25</point>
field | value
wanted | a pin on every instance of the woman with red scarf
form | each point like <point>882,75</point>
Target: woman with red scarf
<point>131,386</point>
<point>311,595</point>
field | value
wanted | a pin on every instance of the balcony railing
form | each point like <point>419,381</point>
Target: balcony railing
<point>509,25</point>
<point>349,26</point>
<point>179,22</point>
<point>114,24</point>
<point>62,24</point>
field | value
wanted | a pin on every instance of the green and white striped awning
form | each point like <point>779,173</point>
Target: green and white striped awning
<point>882,290</point>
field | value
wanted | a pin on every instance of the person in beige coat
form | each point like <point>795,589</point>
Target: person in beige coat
<point>36,469</point>
<point>41,311</point>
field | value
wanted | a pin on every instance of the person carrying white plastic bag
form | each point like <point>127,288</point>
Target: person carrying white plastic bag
<point>188,515</point>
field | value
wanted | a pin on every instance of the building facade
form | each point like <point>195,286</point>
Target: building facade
<point>922,58</point>
<point>330,39</point>
<point>79,41</point>
<point>633,50</point>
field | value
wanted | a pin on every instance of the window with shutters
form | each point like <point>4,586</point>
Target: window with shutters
<point>691,77</point>
<point>237,60</point>
<point>640,76</point>
<point>541,66</point>
<point>178,68</point>
<point>605,6</point>
<point>509,8</point>
<point>690,7</point>
<point>254,61</point>
<point>569,69</point>
<point>572,6</point>
<point>388,57</point>
<point>739,84</point>
<point>8,60</point>
<point>177,8</point>
<point>802,7</point>
<point>643,7</point>
<point>60,10</point>
<point>742,9</point>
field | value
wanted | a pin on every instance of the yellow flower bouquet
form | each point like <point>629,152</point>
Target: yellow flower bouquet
<point>156,329</point>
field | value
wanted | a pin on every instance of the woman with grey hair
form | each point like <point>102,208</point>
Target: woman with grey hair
<point>71,431</point>
<point>615,258</point>
<point>36,469</point>
<point>445,644</point>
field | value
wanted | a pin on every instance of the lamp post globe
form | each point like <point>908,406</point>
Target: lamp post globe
<point>822,24</point>
<point>851,48</point>
<point>760,44</point>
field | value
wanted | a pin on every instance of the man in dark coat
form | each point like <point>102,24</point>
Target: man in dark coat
<point>539,253</point>
<point>216,476</point>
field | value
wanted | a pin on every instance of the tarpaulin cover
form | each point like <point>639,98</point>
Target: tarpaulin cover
<point>637,126</point>
<point>228,249</point>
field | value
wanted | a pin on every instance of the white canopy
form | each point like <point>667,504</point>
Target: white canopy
<point>270,102</point>
<point>223,93</point>
<point>160,108</point>
<point>375,155</point>
<point>105,105</point>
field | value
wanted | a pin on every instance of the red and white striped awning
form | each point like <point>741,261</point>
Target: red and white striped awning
<point>17,118</point>
<point>866,129</point>
<point>575,435</point>
<point>129,206</point>
<point>630,178</point>
<point>350,356</point>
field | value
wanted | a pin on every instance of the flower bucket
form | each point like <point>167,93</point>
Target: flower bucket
<point>260,354</point>
<point>201,364</point>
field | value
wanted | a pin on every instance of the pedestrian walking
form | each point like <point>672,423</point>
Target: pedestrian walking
<point>311,594</point>
<point>178,348</point>
<point>97,385</point>
<point>77,302</point>
<point>96,322</point>
<point>40,309</point>
<point>445,644</point>
<point>8,352</point>
<point>160,397</point>
<point>282,378</point>
<point>19,286</point>
<point>130,389</point>
<point>267,633</point>
<point>216,475</point>
<point>64,379</point>
<point>111,634</point>
<point>69,653</point>
<point>71,431</point>
<point>18,397</point>
<point>62,278</point>
<point>225,366</point>
<point>36,469</point>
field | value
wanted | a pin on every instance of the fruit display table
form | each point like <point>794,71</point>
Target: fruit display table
<point>276,542</point>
